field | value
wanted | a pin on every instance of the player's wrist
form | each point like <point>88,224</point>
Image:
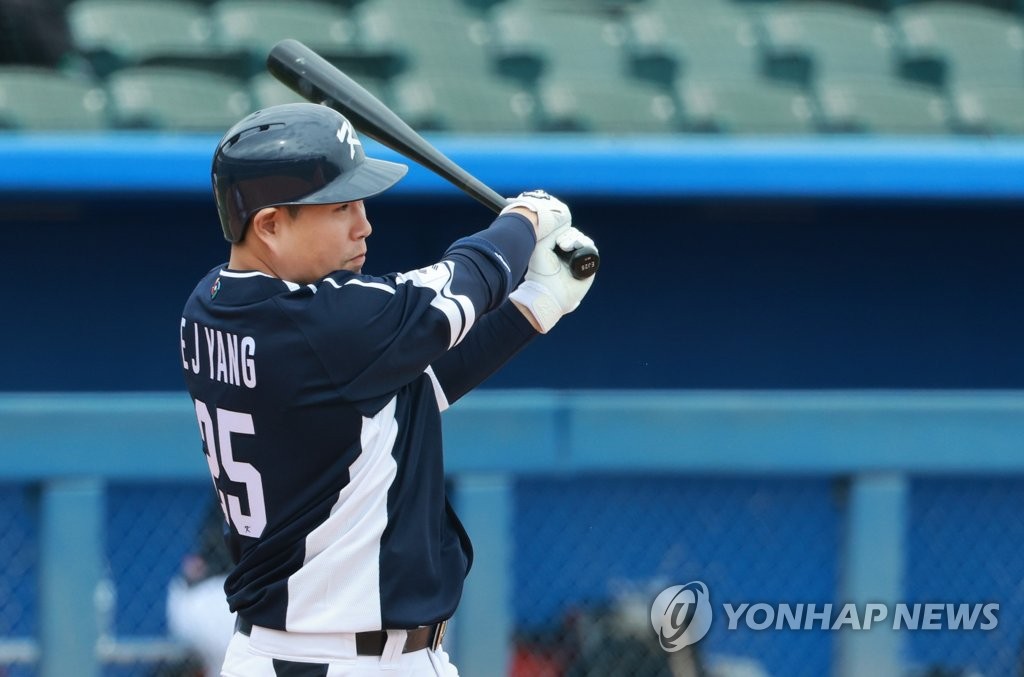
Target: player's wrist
<point>539,302</point>
<point>549,213</point>
<point>530,216</point>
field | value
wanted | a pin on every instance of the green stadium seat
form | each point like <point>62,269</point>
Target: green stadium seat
<point>700,39</point>
<point>527,43</point>
<point>752,106</point>
<point>252,27</point>
<point>882,106</point>
<point>441,36</point>
<point>945,42</point>
<point>460,104</point>
<point>36,98</point>
<point>579,6</point>
<point>266,90</point>
<point>113,34</point>
<point>804,40</point>
<point>988,109</point>
<point>606,105</point>
<point>174,98</point>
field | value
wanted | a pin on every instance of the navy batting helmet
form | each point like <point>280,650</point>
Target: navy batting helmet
<point>293,154</point>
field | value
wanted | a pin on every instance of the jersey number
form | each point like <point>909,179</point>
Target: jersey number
<point>228,423</point>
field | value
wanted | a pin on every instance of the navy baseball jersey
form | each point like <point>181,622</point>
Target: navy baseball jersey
<point>319,412</point>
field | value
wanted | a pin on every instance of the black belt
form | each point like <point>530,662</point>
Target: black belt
<point>372,643</point>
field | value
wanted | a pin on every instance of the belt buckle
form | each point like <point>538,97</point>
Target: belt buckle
<point>439,635</point>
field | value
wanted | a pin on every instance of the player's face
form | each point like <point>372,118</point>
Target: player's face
<point>321,239</point>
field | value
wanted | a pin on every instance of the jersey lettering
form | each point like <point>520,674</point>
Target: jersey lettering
<point>231,358</point>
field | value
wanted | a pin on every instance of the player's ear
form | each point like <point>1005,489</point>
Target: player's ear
<point>265,223</point>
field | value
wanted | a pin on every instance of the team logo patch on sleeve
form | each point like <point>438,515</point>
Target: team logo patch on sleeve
<point>215,288</point>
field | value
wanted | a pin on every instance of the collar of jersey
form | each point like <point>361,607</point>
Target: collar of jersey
<point>292,286</point>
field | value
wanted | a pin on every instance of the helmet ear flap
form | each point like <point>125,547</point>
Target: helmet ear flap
<point>230,210</point>
<point>300,153</point>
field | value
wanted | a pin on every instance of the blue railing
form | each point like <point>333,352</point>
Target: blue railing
<point>125,163</point>
<point>72,446</point>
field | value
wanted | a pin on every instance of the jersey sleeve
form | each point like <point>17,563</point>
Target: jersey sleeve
<point>492,342</point>
<point>374,335</point>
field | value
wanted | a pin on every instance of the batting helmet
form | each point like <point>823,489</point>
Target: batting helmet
<point>293,154</point>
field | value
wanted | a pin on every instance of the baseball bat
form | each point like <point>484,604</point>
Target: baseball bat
<point>317,80</point>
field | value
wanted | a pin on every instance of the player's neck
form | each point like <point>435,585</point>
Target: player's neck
<point>242,258</point>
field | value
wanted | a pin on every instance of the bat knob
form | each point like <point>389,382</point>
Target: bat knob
<point>583,262</point>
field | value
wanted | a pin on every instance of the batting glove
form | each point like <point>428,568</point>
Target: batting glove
<point>549,290</point>
<point>551,212</point>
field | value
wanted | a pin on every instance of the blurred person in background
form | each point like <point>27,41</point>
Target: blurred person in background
<point>197,612</point>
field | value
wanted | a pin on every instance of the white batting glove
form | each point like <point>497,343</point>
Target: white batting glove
<point>551,212</point>
<point>549,290</point>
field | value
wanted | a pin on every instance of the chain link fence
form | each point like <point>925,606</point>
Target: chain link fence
<point>154,535</point>
<point>595,551</point>
<point>590,553</point>
<point>965,546</point>
<point>18,561</point>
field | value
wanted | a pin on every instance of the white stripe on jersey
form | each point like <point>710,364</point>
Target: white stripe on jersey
<point>442,399</point>
<point>338,587</point>
<point>250,273</point>
<point>456,307</point>
<point>256,273</point>
<point>362,283</point>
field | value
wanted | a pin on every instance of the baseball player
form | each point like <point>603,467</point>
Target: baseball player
<point>318,391</point>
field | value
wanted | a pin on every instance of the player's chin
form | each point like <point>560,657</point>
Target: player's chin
<point>355,265</point>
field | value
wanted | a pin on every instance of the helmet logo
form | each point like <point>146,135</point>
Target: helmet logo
<point>348,135</point>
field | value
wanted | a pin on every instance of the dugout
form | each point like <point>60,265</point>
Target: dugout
<point>736,263</point>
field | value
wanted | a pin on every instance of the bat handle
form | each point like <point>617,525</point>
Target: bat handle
<point>583,262</point>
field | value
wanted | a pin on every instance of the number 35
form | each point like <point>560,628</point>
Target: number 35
<point>228,423</point>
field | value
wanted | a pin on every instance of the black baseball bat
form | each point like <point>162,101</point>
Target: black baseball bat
<point>317,80</point>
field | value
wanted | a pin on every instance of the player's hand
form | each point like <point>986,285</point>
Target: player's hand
<point>551,212</point>
<point>549,290</point>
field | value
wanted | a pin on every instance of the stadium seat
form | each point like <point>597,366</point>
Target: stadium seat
<point>744,107</point>
<point>252,27</point>
<point>527,43</point>
<point>266,90</point>
<point>459,104</point>
<point>943,42</point>
<point>882,106</point>
<point>803,41</point>
<point>606,105</point>
<point>704,40</point>
<point>579,6</point>
<point>988,109</point>
<point>36,98</point>
<point>436,37</point>
<point>113,34</point>
<point>165,97</point>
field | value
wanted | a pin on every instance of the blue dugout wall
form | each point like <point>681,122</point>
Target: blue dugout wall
<point>813,343</point>
<point>727,264</point>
